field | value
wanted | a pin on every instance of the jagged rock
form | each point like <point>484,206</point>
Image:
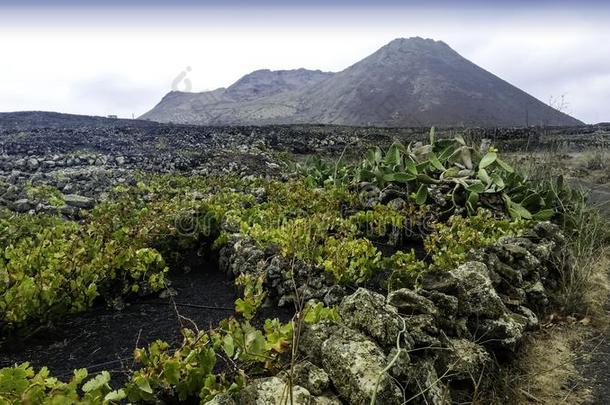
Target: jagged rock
<point>33,164</point>
<point>272,391</point>
<point>425,386</point>
<point>369,195</point>
<point>311,377</point>
<point>393,192</point>
<point>401,362</point>
<point>422,329</point>
<point>549,231</point>
<point>221,399</point>
<point>476,294</point>
<point>68,211</point>
<point>240,255</point>
<point>397,204</point>
<point>367,312</point>
<point>446,319</point>
<point>326,400</point>
<point>442,281</point>
<point>334,295</point>
<point>525,316</point>
<point>312,338</point>
<point>504,332</point>
<point>22,205</point>
<point>447,305</point>
<point>463,358</point>
<point>409,302</point>
<point>536,295</point>
<point>79,201</point>
<point>355,365</point>
<point>12,193</point>
<point>507,273</point>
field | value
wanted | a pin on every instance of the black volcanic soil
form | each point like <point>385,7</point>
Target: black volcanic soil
<point>104,338</point>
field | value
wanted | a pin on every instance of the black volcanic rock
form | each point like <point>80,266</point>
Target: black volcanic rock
<point>25,120</point>
<point>408,82</point>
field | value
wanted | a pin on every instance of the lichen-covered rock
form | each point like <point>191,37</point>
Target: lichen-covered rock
<point>305,281</point>
<point>240,255</point>
<point>334,295</point>
<point>536,294</point>
<point>529,318</point>
<point>550,232</point>
<point>504,332</point>
<point>367,312</point>
<point>512,276</point>
<point>356,365</point>
<point>409,302</point>
<point>326,400</point>
<point>369,195</point>
<point>22,205</point>
<point>309,376</point>
<point>273,391</point>
<point>463,359</point>
<point>441,281</point>
<point>312,338</point>
<point>476,294</point>
<point>425,386</point>
<point>79,201</point>
<point>423,330</point>
<point>401,362</point>
<point>447,305</point>
<point>221,399</point>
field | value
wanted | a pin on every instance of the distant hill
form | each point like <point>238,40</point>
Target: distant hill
<point>23,120</point>
<point>211,107</point>
<point>408,82</point>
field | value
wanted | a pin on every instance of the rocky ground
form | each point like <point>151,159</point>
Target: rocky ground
<point>84,158</point>
<point>477,313</point>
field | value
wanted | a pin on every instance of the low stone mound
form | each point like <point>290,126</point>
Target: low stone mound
<point>427,346</point>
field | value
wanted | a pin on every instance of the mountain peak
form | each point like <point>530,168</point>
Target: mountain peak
<point>407,82</point>
<point>416,47</point>
<point>416,43</point>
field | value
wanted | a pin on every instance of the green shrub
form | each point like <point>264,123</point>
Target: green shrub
<point>46,193</point>
<point>50,271</point>
<point>404,269</point>
<point>449,243</point>
<point>22,385</point>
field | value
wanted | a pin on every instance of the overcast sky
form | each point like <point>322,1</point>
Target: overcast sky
<point>120,57</point>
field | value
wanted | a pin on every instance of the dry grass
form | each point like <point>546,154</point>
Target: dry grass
<point>595,297</point>
<point>548,366</point>
<point>546,371</point>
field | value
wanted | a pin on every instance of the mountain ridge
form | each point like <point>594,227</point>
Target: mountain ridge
<point>407,82</point>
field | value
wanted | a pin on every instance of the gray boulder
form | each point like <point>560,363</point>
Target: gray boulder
<point>425,386</point>
<point>79,201</point>
<point>462,359</point>
<point>356,365</point>
<point>22,205</point>
<point>423,330</point>
<point>504,332</point>
<point>273,391</point>
<point>411,303</point>
<point>367,312</point>
<point>312,339</point>
<point>33,164</point>
<point>221,399</point>
<point>476,294</point>
<point>311,377</point>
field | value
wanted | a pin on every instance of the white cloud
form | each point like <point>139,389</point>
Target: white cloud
<point>118,61</point>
